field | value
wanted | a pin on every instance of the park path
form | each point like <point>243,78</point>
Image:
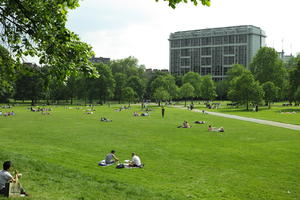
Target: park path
<point>259,121</point>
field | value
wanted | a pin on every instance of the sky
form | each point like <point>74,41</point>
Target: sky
<point>121,28</point>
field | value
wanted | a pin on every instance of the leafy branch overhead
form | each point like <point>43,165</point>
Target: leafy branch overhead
<point>38,28</point>
<point>173,3</point>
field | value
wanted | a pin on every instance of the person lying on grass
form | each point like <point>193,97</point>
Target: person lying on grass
<point>185,125</point>
<point>6,177</point>
<point>111,157</point>
<point>104,119</point>
<point>135,114</point>
<point>135,161</point>
<point>214,129</point>
<point>199,122</point>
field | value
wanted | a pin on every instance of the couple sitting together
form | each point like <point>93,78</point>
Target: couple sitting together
<point>104,119</point>
<point>185,125</point>
<point>210,128</point>
<point>135,161</point>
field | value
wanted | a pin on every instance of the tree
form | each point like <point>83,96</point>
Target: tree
<point>266,66</point>
<point>195,80</point>
<point>222,89</point>
<point>270,91</point>
<point>173,3</point>
<point>244,89</point>
<point>38,28</point>
<point>138,86</point>
<point>120,80</point>
<point>297,95</point>
<point>105,84</point>
<point>207,88</point>
<point>294,81</point>
<point>29,84</point>
<point>129,94</point>
<point>235,71</point>
<point>186,91</point>
<point>160,94</point>
<point>167,82</point>
<point>7,74</point>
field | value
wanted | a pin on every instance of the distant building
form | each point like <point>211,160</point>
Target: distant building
<point>100,60</point>
<point>285,58</point>
<point>214,51</point>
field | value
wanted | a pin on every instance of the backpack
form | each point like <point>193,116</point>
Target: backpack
<point>119,166</point>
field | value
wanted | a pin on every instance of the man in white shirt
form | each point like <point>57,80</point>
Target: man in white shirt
<point>136,161</point>
<point>6,177</point>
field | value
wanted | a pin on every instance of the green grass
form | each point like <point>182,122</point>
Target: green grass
<point>276,113</point>
<point>58,156</point>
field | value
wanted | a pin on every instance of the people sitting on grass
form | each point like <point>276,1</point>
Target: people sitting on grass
<point>199,122</point>
<point>135,161</point>
<point>6,177</point>
<point>145,114</point>
<point>0,112</point>
<point>214,129</point>
<point>185,125</point>
<point>45,113</point>
<point>111,158</point>
<point>104,119</point>
<point>135,114</point>
<point>89,113</point>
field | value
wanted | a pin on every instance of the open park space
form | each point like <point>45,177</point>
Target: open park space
<point>58,155</point>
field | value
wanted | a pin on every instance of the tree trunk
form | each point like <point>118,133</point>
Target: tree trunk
<point>247,105</point>
<point>159,103</point>
<point>184,102</point>
<point>269,104</point>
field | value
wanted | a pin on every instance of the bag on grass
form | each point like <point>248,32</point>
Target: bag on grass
<point>119,166</point>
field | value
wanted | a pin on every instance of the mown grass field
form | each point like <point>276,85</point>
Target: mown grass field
<point>58,156</point>
<point>279,113</point>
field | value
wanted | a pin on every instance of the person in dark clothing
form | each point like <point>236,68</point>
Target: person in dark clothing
<point>163,112</point>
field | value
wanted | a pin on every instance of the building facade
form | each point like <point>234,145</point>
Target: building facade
<point>214,51</point>
<point>100,60</point>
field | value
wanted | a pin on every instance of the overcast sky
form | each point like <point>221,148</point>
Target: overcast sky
<point>141,28</point>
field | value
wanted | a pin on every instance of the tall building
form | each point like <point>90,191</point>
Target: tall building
<point>214,51</point>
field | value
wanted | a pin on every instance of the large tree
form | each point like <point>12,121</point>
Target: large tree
<point>195,80</point>
<point>129,95</point>
<point>138,85</point>
<point>244,89</point>
<point>160,94</point>
<point>38,28</point>
<point>271,92</point>
<point>294,81</point>
<point>186,91</point>
<point>120,80</point>
<point>167,82</point>
<point>207,88</point>
<point>267,66</point>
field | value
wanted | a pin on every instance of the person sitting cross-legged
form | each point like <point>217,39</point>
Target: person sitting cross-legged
<point>135,161</point>
<point>111,157</point>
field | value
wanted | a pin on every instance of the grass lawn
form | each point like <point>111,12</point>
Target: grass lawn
<point>58,155</point>
<point>279,113</point>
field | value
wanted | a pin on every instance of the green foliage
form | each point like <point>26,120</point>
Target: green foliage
<point>297,94</point>
<point>207,88</point>
<point>167,82</point>
<point>120,80</point>
<point>222,88</point>
<point>138,86</point>
<point>244,89</point>
<point>128,66</point>
<point>266,66</point>
<point>294,81</point>
<point>195,80</point>
<point>160,94</point>
<point>271,92</point>
<point>7,74</point>
<point>235,71</point>
<point>186,91</point>
<point>173,3</point>
<point>129,94</point>
<point>38,28</point>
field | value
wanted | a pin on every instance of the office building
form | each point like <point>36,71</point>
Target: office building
<point>214,51</point>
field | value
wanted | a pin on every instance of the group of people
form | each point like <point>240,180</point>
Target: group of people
<point>38,109</point>
<point>104,119</point>
<point>214,129</point>
<point>185,124</point>
<point>6,114</point>
<point>136,114</point>
<point>6,177</point>
<point>135,161</point>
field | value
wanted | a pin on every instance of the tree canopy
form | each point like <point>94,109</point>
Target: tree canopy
<point>38,28</point>
<point>173,3</point>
